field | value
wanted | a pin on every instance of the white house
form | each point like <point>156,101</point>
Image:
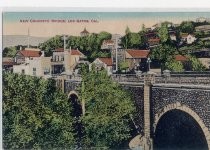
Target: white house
<point>35,66</point>
<point>188,38</point>
<point>105,63</point>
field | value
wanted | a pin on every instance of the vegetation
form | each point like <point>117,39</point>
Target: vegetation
<point>35,114</point>
<point>175,66</point>
<point>187,27</point>
<point>9,51</point>
<point>195,64</point>
<point>107,111</point>
<point>164,53</point>
<point>124,65</point>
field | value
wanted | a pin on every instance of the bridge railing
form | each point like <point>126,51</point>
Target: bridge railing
<point>128,78</point>
<point>183,80</point>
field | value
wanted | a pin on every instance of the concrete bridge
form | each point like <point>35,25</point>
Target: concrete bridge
<point>172,111</point>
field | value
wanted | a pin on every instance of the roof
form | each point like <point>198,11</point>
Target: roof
<point>108,41</point>
<point>73,51</point>
<point>138,53</point>
<point>154,40</point>
<point>107,61</point>
<point>29,53</point>
<point>8,61</point>
<point>85,31</point>
<point>180,58</point>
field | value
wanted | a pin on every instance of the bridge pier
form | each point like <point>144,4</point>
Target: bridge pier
<point>147,139</point>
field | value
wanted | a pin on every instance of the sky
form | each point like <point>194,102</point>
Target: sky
<point>48,24</point>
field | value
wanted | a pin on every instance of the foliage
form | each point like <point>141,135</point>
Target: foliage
<point>89,45</point>
<point>108,107</point>
<point>195,64</point>
<point>124,65</point>
<point>164,53</point>
<point>187,27</point>
<point>51,44</point>
<point>163,33</point>
<point>9,52</point>
<point>175,66</point>
<point>35,114</point>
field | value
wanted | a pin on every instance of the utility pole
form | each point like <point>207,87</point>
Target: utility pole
<point>28,37</point>
<point>64,42</point>
<point>116,59</point>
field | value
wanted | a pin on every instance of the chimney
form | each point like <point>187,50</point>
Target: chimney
<point>21,47</point>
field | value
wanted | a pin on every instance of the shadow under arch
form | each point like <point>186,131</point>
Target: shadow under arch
<point>179,127</point>
<point>76,106</point>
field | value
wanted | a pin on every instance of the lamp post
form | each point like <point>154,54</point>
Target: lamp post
<point>149,61</point>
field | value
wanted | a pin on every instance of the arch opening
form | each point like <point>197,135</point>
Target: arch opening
<point>177,130</point>
<point>76,106</point>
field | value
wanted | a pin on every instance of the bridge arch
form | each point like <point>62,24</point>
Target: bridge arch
<point>73,92</point>
<point>190,112</point>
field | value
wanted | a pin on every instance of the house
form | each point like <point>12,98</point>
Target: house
<point>35,66</point>
<point>188,38</point>
<point>108,44</point>
<point>181,58</point>
<point>172,35</point>
<point>105,63</point>
<point>65,60</point>
<point>205,61</point>
<point>135,57</point>
<point>84,33</point>
<point>23,56</point>
<point>7,63</point>
<point>153,42</point>
<point>203,28</point>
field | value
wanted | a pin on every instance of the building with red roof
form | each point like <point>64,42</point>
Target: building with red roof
<point>105,63</point>
<point>135,57</point>
<point>181,58</point>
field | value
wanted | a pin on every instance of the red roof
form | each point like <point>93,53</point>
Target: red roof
<point>181,58</point>
<point>30,53</point>
<point>138,53</point>
<point>73,51</point>
<point>8,63</point>
<point>107,61</point>
<point>154,40</point>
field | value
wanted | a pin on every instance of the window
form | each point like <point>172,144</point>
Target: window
<point>34,71</point>
<point>23,71</point>
<point>46,71</point>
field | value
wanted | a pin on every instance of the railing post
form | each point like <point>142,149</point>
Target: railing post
<point>147,139</point>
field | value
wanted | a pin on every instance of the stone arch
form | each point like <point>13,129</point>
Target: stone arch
<point>187,110</point>
<point>73,92</point>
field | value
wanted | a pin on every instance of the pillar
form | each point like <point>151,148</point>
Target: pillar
<point>147,140</point>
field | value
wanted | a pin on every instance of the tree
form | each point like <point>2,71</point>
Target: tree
<point>51,44</point>
<point>35,114</point>
<point>187,27</point>
<point>163,33</point>
<point>195,64</point>
<point>9,52</point>
<point>164,53</point>
<point>176,66</point>
<point>107,110</point>
<point>124,65</point>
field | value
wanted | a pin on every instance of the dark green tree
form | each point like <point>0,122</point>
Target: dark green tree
<point>51,44</point>
<point>164,53</point>
<point>107,109</point>
<point>35,114</point>
<point>195,64</point>
<point>163,33</point>
<point>187,27</point>
<point>9,52</point>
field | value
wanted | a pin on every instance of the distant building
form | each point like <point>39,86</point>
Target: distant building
<point>35,66</point>
<point>153,42</point>
<point>7,63</point>
<point>204,28</point>
<point>108,44</point>
<point>105,63</point>
<point>172,35</point>
<point>188,38</point>
<point>65,60</point>
<point>84,33</point>
<point>24,55</point>
<point>135,57</point>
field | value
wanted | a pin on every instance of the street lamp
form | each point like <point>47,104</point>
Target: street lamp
<point>149,61</point>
